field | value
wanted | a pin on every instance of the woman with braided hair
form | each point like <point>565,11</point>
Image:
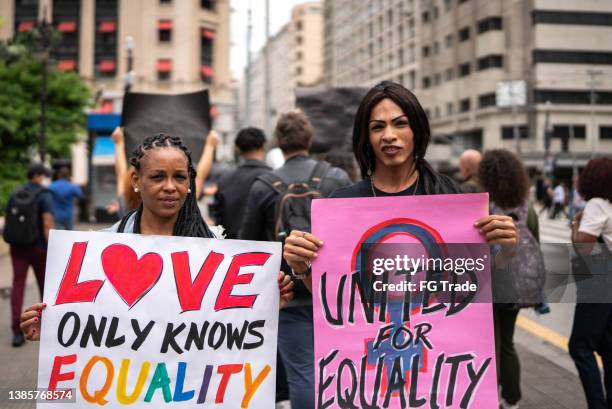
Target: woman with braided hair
<point>164,177</point>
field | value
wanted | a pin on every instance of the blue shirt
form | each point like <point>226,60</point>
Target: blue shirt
<point>64,193</point>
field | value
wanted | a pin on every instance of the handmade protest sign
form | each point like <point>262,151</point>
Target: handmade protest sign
<point>184,115</point>
<point>401,303</point>
<point>154,321</point>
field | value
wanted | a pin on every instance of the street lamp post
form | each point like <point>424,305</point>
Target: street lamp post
<point>43,47</point>
<point>129,76</point>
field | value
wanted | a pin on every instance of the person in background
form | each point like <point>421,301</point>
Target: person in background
<point>233,187</point>
<point>559,200</point>
<point>64,192</point>
<point>294,135</point>
<point>29,218</point>
<point>592,328</point>
<point>547,194</point>
<point>468,167</point>
<point>577,203</point>
<point>344,160</point>
<point>527,274</point>
<point>206,161</point>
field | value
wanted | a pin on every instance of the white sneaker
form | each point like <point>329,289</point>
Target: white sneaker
<point>506,405</point>
<point>283,405</point>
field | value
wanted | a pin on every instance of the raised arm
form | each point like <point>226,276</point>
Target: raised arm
<point>120,159</point>
<point>206,161</point>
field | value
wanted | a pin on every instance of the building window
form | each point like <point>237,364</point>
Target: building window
<point>426,17</point>
<point>298,40</point>
<point>436,112</point>
<point>563,131</point>
<point>463,1</point>
<point>299,70</point>
<point>298,56</point>
<point>164,69</point>
<point>435,12</point>
<point>486,100</point>
<point>165,1</point>
<point>436,48</point>
<point>464,105</point>
<point>572,57</point>
<point>437,79</point>
<point>571,97</point>
<point>464,34</point>
<point>426,82</point>
<point>464,69</point>
<point>490,61</point>
<point>206,55</point>
<point>208,4</point>
<point>605,132</point>
<point>490,23</point>
<point>507,132</point>
<point>298,25</point>
<point>449,40</point>
<point>448,4</point>
<point>449,108</point>
<point>449,74</point>
<point>165,30</point>
<point>425,51</point>
<point>572,18</point>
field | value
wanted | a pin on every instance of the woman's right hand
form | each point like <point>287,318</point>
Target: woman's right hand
<point>300,249</point>
<point>117,136</point>
<point>30,321</point>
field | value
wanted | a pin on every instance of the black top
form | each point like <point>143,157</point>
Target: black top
<point>430,182</point>
<point>231,197</point>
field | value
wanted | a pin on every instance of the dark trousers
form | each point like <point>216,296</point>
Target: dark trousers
<point>296,346</point>
<point>559,208</point>
<point>508,365</point>
<point>592,332</point>
<point>22,258</point>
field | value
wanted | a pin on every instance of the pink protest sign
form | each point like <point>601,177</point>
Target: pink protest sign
<point>396,320</point>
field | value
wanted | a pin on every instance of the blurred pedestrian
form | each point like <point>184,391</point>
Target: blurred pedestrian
<point>527,274</point>
<point>64,192</point>
<point>29,218</point>
<point>592,328</point>
<point>547,195</point>
<point>344,160</point>
<point>274,208</point>
<point>559,197</point>
<point>468,167</point>
<point>576,201</point>
<point>233,187</point>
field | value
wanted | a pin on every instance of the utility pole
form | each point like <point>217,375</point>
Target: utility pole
<point>593,74</point>
<point>43,48</point>
<point>129,74</point>
<point>247,74</point>
<point>267,72</point>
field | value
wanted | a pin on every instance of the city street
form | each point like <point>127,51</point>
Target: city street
<point>549,378</point>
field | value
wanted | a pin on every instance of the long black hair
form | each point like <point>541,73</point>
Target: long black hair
<point>189,222</point>
<point>411,107</point>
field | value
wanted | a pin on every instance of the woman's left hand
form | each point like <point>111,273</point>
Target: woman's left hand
<point>498,230</point>
<point>285,286</point>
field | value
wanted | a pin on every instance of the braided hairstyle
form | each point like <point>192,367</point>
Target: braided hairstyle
<point>189,222</point>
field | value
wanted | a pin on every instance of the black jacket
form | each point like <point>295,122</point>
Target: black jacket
<point>231,197</point>
<point>259,218</point>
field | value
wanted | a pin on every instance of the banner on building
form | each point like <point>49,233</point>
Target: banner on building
<point>164,321</point>
<point>401,303</point>
<point>184,115</point>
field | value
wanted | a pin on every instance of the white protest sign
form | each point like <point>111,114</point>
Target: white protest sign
<point>153,321</point>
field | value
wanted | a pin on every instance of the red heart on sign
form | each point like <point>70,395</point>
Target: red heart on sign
<point>131,277</point>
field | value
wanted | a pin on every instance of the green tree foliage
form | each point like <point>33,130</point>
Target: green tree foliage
<point>21,76</point>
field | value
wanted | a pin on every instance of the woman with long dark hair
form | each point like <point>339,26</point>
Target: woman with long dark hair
<point>164,176</point>
<point>503,175</point>
<point>390,137</point>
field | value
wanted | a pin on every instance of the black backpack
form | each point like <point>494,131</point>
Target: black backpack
<point>22,221</point>
<point>293,206</point>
